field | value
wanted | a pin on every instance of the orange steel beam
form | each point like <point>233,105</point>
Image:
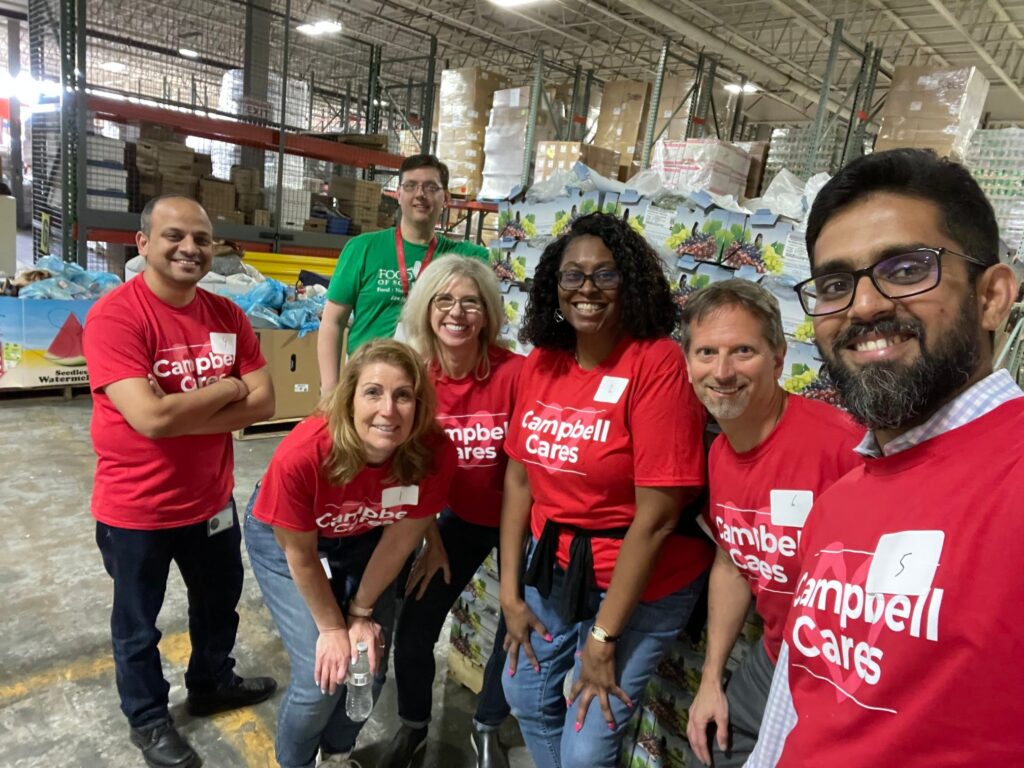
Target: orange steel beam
<point>245,134</point>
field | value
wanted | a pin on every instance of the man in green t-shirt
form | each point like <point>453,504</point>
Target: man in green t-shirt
<point>376,271</point>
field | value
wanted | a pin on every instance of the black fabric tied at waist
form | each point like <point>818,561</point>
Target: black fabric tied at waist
<point>579,576</point>
<point>580,582</point>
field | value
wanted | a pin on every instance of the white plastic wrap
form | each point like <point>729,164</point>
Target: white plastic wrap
<point>701,164</point>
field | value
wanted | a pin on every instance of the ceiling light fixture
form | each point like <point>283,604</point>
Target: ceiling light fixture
<point>745,88</point>
<point>319,28</point>
<point>113,66</point>
<point>189,53</point>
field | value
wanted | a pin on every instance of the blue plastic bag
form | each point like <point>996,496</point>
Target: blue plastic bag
<point>270,294</point>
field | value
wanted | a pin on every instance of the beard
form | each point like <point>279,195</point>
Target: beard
<point>890,395</point>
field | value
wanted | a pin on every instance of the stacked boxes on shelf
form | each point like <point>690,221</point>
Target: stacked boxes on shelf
<point>218,198</point>
<point>474,623</point>
<point>106,174</point>
<point>295,206</point>
<point>758,151</point>
<point>935,108</point>
<point>465,100</point>
<point>702,164</point>
<point>358,200</point>
<point>248,192</point>
<point>563,155</point>
<point>622,122</point>
<point>505,142</point>
<point>996,159</point>
<point>165,167</point>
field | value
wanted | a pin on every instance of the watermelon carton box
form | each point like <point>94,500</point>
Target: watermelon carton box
<point>41,343</point>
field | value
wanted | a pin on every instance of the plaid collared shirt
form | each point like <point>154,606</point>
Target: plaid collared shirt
<point>985,396</point>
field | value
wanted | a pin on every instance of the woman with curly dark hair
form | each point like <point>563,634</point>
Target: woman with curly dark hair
<point>605,449</point>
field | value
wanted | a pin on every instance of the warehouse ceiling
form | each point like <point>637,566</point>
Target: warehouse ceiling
<point>780,45</point>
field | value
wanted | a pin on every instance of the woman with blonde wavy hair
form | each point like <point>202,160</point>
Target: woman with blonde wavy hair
<point>346,499</point>
<point>452,319</point>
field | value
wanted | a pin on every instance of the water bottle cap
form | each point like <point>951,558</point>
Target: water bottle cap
<point>362,647</point>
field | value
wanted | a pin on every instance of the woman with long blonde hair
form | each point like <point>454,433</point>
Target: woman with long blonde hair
<point>346,499</point>
<point>452,319</point>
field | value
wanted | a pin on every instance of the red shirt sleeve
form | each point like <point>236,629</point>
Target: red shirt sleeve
<point>287,492</point>
<point>667,423</point>
<point>115,348</point>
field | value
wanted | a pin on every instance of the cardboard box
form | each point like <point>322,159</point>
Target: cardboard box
<point>466,96</point>
<point>248,202</point>
<point>41,343</point>
<point>623,118</point>
<point>671,122</point>
<point>176,183</point>
<point>217,196</point>
<point>246,180</point>
<point>315,225</point>
<point>261,218</point>
<point>233,217</point>
<point>293,368</point>
<point>562,155</point>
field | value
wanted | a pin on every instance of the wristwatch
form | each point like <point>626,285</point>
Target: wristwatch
<point>601,635</point>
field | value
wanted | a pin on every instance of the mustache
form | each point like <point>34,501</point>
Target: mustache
<point>887,327</point>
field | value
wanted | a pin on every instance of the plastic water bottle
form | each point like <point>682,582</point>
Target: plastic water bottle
<point>359,685</point>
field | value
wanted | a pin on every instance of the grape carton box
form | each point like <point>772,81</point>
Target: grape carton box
<point>651,221</point>
<point>767,234</point>
<point>526,220</point>
<point>41,343</point>
<point>705,230</point>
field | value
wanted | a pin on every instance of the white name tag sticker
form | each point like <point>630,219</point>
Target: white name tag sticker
<point>222,343</point>
<point>326,567</point>
<point>610,389</point>
<point>791,508</point>
<point>905,563</point>
<point>400,496</point>
<point>221,521</point>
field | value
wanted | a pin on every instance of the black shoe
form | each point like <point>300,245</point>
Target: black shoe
<point>163,747</point>
<point>489,753</point>
<point>243,692</point>
<point>403,748</point>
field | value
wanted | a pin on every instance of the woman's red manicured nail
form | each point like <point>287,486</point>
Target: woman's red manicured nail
<point>578,727</point>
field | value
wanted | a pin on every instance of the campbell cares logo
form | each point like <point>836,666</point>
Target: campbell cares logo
<point>852,607</point>
<point>478,437</point>
<point>350,516</point>
<point>555,433</point>
<point>764,552</point>
<point>188,367</point>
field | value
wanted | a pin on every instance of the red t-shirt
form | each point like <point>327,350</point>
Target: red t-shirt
<point>904,637</point>
<point>295,493</point>
<point>760,498</point>
<point>149,484</point>
<point>588,438</point>
<point>474,414</point>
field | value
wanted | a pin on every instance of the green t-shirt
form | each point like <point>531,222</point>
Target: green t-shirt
<point>366,279</point>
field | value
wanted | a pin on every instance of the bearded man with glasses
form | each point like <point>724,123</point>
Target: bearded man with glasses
<point>902,645</point>
<point>377,269</point>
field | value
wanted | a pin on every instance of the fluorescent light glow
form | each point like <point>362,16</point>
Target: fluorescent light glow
<point>319,28</point>
<point>512,3</point>
<point>745,88</point>
<point>113,66</point>
<point>188,53</point>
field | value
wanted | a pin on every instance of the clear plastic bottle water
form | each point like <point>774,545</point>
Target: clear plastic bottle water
<point>359,686</point>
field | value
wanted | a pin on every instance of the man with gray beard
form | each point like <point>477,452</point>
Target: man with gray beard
<point>902,646</point>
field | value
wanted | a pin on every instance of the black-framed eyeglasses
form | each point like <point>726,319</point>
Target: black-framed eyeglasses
<point>896,277</point>
<point>603,279</point>
<point>428,187</point>
<point>445,302</point>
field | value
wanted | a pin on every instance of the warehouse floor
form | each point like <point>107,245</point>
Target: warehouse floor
<point>58,703</point>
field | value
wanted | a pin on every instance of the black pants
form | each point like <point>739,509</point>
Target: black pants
<point>139,563</point>
<point>420,622</point>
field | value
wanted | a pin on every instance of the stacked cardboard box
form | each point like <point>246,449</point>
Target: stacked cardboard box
<point>935,108</point>
<point>623,120</point>
<point>702,164</point>
<point>248,194</point>
<point>758,151</point>
<point>359,200</point>
<point>165,167</point>
<point>295,206</point>
<point>409,143</point>
<point>673,109</point>
<point>465,96</point>
<point>562,156</point>
<point>217,197</point>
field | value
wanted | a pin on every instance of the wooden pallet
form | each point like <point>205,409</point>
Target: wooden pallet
<point>272,428</point>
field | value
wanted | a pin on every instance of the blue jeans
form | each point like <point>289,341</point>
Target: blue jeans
<point>307,719</point>
<point>420,622</point>
<point>537,699</point>
<point>139,562</point>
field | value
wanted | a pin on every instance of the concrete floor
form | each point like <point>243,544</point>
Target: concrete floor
<point>58,703</point>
